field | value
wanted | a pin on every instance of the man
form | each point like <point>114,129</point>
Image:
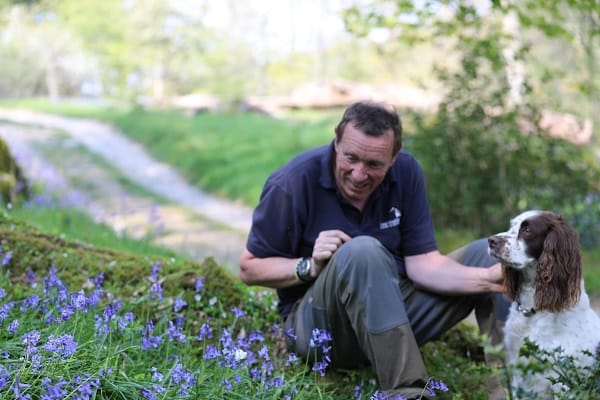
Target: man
<point>345,235</point>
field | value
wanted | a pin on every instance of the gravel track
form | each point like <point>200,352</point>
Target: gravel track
<point>180,216</point>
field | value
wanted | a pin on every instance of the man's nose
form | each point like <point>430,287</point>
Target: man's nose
<point>359,173</point>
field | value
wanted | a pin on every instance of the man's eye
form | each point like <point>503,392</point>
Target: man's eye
<point>375,165</point>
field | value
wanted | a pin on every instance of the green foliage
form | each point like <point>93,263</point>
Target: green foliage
<point>563,371</point>
<point>77,262</point>
<point>484,155</point>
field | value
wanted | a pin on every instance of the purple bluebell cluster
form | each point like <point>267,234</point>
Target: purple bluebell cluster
<point>60,344</point>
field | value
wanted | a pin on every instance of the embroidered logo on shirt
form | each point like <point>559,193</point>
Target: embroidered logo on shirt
<point>395,215</point>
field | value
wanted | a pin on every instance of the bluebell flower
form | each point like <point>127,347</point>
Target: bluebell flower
<point>7,257</point>
<point>5,309</point>
<point>63,346</point>
<point>13,327</point>
<point>148,394</point>
<point>84,387</point>
<point>174,332</point>
<point>30,278</point>
<point>256,336</point>
<point>263,352</point>
<point>292,359</point>
<point>434,385</point>
<point>227,385</point>
<point>125,320</point>
<point>156,375</point>
<point>66,312</point>
<point>237,312</point>
<point>17,388</point>
<point>357,391</point>
<point>112,309</point>
<point>2,293</point>
<point>320,338</point>
<point>101,326</point>
<point>94,298</point>
<point>179,304</point>
<point>148,340</point>
<point>98,280</point>
<point>4,378</point>
<point>79,301</point>
<point>276,382</point>
<point>205,331</point>
<point>199,284</point>
<point>185,379</point>
<point>53,391</point>
<point>211,352</point>
<point>378,395</point>
<point>320,367</point>
<point>155,286</point>
<point>30,340</point>
<point>52,281</point>
<point>30,302</point>
<point>155,269</point>
<point>156,291</point>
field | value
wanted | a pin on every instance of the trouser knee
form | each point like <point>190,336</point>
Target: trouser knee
<point>364,256</point>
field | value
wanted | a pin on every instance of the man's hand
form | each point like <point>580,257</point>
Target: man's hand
<point>326,244</point>
<point>496,278</point>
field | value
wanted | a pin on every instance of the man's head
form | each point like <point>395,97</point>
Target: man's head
<point>372,119</point>
<point>368,139</point>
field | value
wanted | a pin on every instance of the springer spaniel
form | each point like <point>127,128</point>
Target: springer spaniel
<point>543,277</point>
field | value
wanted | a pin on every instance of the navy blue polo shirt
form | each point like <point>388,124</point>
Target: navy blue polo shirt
<point>301,199</point>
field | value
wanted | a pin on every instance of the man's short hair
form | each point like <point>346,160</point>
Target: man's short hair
<point>373,119</point>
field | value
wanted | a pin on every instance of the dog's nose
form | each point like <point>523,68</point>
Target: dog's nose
<point>495,241</point>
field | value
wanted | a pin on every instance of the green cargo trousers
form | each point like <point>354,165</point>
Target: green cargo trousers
<point>375,317</point>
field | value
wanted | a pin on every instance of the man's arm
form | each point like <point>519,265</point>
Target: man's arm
<point>280,272</point>
<point>438,273</point>
<point>274,272</point>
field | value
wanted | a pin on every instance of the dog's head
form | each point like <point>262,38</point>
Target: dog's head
<point>544,241</point>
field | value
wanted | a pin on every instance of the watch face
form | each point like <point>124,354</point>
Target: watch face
<point>304,268</point>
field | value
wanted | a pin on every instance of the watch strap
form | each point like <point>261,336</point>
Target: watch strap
<point>298,272</point>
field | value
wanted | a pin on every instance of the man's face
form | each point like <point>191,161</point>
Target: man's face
<point>361,162</point>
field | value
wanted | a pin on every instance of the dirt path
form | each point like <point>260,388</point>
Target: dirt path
<point>49,148</point>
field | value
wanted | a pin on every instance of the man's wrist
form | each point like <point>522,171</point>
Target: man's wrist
<point>303,269</point>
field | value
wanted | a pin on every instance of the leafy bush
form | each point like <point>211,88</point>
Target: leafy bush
<point>485,157</point>
<point>570,380</point>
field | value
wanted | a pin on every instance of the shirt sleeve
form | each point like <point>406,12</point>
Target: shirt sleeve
<point>417,228</point>
<point>274,224</point>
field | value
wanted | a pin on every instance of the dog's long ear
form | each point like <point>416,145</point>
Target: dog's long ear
<point>512,281</point>
<point>559,270</point>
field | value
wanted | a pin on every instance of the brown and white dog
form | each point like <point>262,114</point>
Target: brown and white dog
<point>544,279</point>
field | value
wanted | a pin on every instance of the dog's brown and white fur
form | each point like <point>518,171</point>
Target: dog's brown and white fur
<point>543,276</point>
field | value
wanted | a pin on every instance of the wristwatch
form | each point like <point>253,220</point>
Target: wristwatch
<point>303,269</point>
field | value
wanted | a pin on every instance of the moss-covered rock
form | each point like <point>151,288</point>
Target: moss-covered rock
<point>125,274</point>
<point>13,184</point>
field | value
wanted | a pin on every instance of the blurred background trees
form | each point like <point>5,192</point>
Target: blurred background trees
<point>505,74</point>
